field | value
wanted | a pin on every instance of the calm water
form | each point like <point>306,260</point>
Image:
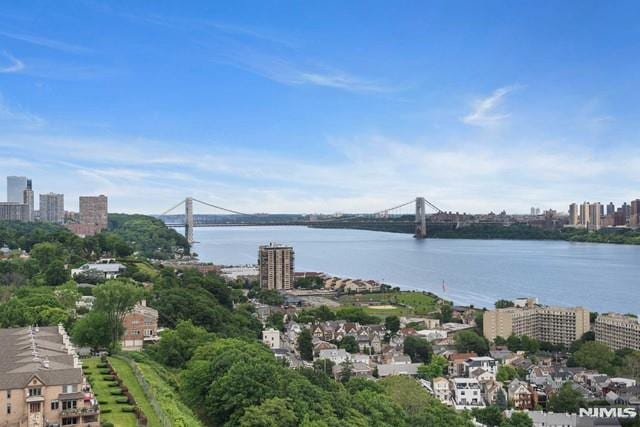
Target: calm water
<point>598,276</point>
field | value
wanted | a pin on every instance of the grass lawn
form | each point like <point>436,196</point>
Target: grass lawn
<point>129,379</point>
<point>414,303</point>
<point>102,392</point>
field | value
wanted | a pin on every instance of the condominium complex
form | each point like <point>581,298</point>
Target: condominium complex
<point>93,216</point>
<point>618,331</point>
<point>52,208</point>
<point>557,325</point>
<point>276,266</point>
<point>41,380</point>
<point>593,216</point>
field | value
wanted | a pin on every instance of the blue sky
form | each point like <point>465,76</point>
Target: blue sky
<point>323,106</point>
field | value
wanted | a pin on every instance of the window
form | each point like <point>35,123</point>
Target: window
<point>69,388</point>
<point>70,421</point>
<point>35,391</point>
<point>34,407</point>
<point>69,404</point>
<point>55,404</point>
<point>8,408</point>
<point>8,394</point>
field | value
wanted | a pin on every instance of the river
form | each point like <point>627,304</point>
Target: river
<point>600,277</point>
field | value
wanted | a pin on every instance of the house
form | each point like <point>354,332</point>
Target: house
<point>521,395</point>
<point>489,390</point>
<point>387,369</point>
<point>401,359</point>
<point>107,269</point>
<point>271,338</point>
<point>441,389</point>
<point>488,364</point>
<point>357,369</point>
<point>140,327</point>
<point>457,363</point>
<point>539,376</point>
<point>337,356</point>
<point>41,380</point>
<point>504,356</point>
<point>481,375</point>
<point>466,393</point>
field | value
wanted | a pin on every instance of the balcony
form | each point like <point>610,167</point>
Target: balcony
<point>85,410</point>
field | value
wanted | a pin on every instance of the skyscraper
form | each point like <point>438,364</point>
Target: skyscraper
<point>52,208</point>
<point>584,214</point>
<point>611,209</point>
<point>634,214</point>
<point>573,214</point>
<point>595,215</point>
<point>93,212</point>
<point>276,266</point>
<point>27,199</point>
<point>15,188</point>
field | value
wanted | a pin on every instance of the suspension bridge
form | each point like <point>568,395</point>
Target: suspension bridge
<point>411,215</point>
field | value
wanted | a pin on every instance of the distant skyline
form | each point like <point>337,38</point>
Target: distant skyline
<point>323,107</point>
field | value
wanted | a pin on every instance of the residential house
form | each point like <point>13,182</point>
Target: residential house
<point>441,389</point>
<point>337,356</point>
<point>108,269</point>
<point>521,395</point>
<point>488,364</point>
<point>385,370</point>
<point>466,393</point>
<point>457,363</point>
<point>271,338</point>
<point>140,327</point>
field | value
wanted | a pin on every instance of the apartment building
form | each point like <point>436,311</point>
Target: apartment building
<point>52,208</point>
<point>41,380</point>
<point>557,325</point>
<point>618,331</point>
<point>276,264</point>
<point>93,217</point>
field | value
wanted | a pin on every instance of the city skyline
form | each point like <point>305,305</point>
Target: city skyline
<point>324,108</point>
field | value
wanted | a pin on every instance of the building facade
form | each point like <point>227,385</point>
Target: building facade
<point>557,325</point>
<point>276,264</point>
<point>618,331</point>
<point>52,208</point>
<point>140,327</point>
<point>93,217</point>
<point>15,188</point>
<point>41,380</point>
<point>573,214</point>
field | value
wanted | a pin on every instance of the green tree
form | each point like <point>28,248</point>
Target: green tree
<point>566,400</point>
<point>176,346</point>
<point>435,368</point>
<point>595,355</point>
<point>506,373</point>
<point>324,365</point>
<point>115,299</point>
<point>392,323</point>
<point>446,313</point>
<point>68,295</point>
<point>504,303</point>
<point>275,412</point>
<point>55,273</point>
<point>501,399</point>
<point>490,416</point>
<point>418,349</point>
<point>630,365</point>
<point>305,345</point>
<point>349,343</point>
<point>467,341</point>
<point>518,419</point>
<point>92,330</point>
<point>346,371</point>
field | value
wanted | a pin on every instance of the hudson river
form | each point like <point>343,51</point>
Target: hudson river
<point>600,277</point>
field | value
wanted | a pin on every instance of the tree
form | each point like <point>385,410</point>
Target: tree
<point>92,330</point>
<point>566,400</point>
<point>467,341</point>
<point>529,345</point>
<point>506,373</point>
<point>67,295</point>
<point>305,345</point>
<point>630,366</point>
<point>446,313</point>
<point>418,349</point>
<point>504,303</point>
<point>392,323</point>
<point>435,368</point>
<point>346,371</point>
<point>56,274</point>
<point>275,412</point>
<point>115,299</point>
<point>501,399</point>
<point>490,416</point>
<point>518,419</point>
<point>176,346</point>
<point>595,355</point>
<point>349,343</point>
<point>324,365</point>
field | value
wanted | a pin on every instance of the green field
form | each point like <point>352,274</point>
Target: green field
<point>102,391</point>
<point>404,303</point>
<point>126,374</point>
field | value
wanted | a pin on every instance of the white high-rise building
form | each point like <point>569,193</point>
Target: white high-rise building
<point>276,266</point>
<point>52,208</point>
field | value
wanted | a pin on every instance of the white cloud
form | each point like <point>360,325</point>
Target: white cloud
<point>485,112</point>
<point>14,117</point>
<point>15,65</point>
<point>45,42</point>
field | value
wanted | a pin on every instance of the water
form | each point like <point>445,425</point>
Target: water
<point>599,277</point>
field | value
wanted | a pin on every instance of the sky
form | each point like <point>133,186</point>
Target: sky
<point>322,107</point>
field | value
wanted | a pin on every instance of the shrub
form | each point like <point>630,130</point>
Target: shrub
<point>106,424</point>
<point>122,400</point>
<point>113,384</point>
<point>102,365</point>
<point>105,371</point>
<point>108,377</point>
<point>102,402</point>
<point>116,392</point>
<point>128,409</point>
<point>105,410</point>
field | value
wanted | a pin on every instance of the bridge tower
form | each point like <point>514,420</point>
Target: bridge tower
<point>188,219</point>
<point>421,218</point>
